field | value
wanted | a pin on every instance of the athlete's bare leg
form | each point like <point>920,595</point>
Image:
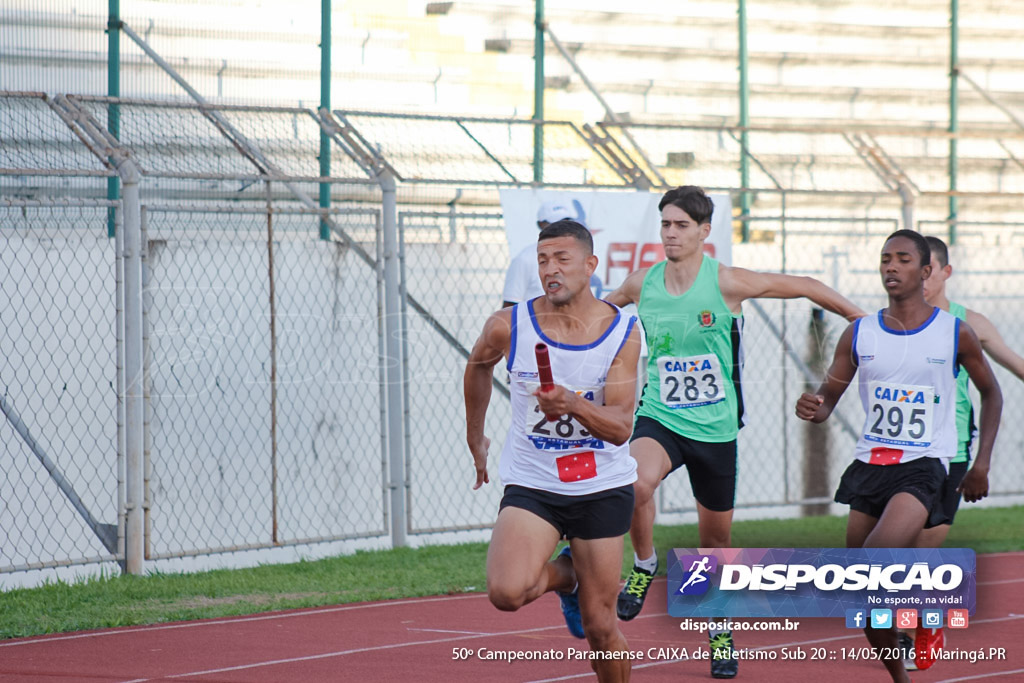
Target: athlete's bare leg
<point>714,527</point>
<point>597,563</point>
<point>932,538</point>
<point>519,568</point>
<point>652,464</point>
<point>858,526</point>
<point>902,519</point>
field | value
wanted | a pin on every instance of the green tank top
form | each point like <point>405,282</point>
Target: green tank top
<point>964,409</point>
<point>693,345</point>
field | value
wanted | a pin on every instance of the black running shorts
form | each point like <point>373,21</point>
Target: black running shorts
<point>604,514</point>
<point>948,500</point>
<point>711,466</point>
<point>869,488</point>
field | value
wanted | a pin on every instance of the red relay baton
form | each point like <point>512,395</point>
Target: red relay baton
<point>547,382</point>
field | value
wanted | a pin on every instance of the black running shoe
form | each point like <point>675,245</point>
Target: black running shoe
<point>631,597</point>
<point>723,658</point>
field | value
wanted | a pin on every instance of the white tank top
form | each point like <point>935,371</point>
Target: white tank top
<point>908,389</point>
<point>561,456</point>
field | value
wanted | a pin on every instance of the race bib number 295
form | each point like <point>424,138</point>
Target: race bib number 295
<point>690,381</point>
<point>900,415</point>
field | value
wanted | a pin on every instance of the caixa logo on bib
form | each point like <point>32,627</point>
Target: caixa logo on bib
<point>816,582</point>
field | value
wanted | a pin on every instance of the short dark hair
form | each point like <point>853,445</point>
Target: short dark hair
<point>920,243</point>
<point>567,227</point>
<point>939,250</point>
<point>692,200</point>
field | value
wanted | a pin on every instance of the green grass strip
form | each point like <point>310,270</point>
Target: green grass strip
<point>107,601</point>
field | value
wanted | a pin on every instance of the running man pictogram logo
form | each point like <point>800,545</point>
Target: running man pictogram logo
<point>696,580</point>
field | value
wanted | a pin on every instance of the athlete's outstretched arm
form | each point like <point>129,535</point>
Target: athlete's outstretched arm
<point>818,406</point>
<point>490,348</point>
<point>970,356</point>
<point>740,284</point>
<point>614,420</point>
<point>993,344</point>
<point>629,291</point>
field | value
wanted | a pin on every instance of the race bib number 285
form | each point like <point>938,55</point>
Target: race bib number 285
<point>691,381</point>
<point>565,431</point>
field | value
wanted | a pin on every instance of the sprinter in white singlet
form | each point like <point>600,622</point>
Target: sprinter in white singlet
<point>568,477</point>
<point>906,357</point>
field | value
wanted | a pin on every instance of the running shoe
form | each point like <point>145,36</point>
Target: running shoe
<point>723,657</point>
<point>927,644</point>
<point>908,652</point>
<point>571,604</point>
<point>631,597</point>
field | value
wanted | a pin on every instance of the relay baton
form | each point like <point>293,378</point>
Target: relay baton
<point>547,382</point>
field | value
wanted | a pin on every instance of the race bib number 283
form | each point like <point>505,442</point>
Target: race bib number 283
<point>691,381</point>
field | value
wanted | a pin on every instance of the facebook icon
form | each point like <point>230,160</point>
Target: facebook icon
<point>856,618</point>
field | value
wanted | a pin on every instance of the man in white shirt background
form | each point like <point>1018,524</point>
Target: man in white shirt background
<point>521,280</point>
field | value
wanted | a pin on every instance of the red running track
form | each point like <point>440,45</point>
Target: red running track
<point>414,640</point>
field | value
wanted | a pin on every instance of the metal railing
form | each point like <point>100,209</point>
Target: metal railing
<point>217,377</point>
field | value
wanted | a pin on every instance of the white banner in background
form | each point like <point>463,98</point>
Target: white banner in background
<point>626,227</point>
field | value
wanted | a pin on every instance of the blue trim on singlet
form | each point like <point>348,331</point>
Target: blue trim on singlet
<point>573,347</point>
<point>956,347</point>
<point>856,331</point>
<point>629,328</point>
<point>512,343</point>
<point>881,323</point>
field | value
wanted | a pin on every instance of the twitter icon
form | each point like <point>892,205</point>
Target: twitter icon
<point>881,618</point>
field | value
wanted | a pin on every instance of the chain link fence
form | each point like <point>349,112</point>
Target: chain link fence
<point>59,483</point>
<point>271,374</point>
<point>454,266</point>
<point>263,380</point>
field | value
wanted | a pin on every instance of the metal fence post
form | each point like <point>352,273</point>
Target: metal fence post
<point>147,448</point>
<point>113,90</point>
<point>907,205</point>
<point>393,358</point>
<point>119,343</point>
<point>133,370</point>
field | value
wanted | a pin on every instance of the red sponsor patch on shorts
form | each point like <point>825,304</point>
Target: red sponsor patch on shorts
<point>886,456</point>
<point>577,467</point>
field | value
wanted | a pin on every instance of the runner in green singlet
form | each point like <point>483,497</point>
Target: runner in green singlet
<point>994,346</point>
<point>692,407</point>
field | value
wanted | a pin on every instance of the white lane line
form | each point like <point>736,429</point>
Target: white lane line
<point>978,676</point>
<point>239,620</point>
<point>444,630</point>
<point>341,653</point>
<point>995,583</point>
